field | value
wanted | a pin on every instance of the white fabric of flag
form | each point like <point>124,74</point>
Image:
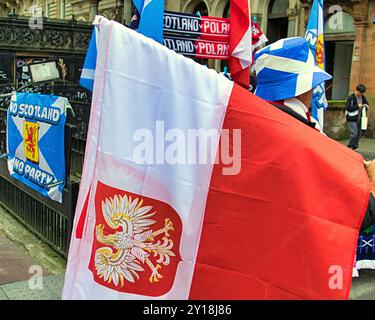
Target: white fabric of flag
<point>179,94</point>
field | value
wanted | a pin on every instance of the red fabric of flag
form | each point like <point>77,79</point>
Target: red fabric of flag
<point>240,35</point>
<point>287,226</point>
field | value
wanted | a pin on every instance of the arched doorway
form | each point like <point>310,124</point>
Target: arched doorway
<point>277,22</point>
<point>340,35</point>
<point>226,13</point>
<point>201,8</point>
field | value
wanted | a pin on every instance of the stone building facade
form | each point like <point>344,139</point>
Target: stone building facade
<point>348,45</point>
<point>349,24</point>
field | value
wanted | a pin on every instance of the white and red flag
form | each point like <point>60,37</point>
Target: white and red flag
<point>152,222</point>
<point>240,42</point>
<point>258,39</point>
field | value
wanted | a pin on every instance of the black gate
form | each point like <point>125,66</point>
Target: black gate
<point>51,221</point>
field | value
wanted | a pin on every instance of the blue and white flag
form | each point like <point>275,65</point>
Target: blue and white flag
<point>286,69</point>
<point>365,258</point>
<point>88,71</point>
<point>152,18</point>
<point>315,37</point>
<point>35,142</point>
<point>151,25</point>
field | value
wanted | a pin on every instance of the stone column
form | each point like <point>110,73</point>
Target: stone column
<point>93,9</point>
<point>127,11</point>
<point>358,54</point>
<point>173,5</point>
<point>304,13</point>
<point>216,64</point>
<point>292,25</point>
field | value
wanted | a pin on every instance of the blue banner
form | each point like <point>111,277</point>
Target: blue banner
<point>315,37</point>
<point>35,142</point>
<point>152,18</point>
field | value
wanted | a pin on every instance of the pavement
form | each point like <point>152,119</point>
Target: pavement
<point>363,287</point>
<point>50,289</point>
<point>14,263</point>
<point>31,270</point>
<point>366,147</point>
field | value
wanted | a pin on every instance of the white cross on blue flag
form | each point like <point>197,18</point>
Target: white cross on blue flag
<point>315,38</point>
<point>152,15</point>
<point>151,25</point>
<point>88,71</point>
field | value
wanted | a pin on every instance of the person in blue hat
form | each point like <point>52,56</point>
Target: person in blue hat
<point>286,75</point>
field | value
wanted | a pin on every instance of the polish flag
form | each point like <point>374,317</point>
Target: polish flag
<point>240,41</point>
<point>155,220</point>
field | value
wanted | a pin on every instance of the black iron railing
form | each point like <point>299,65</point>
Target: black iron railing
<point>51,36</point>
<point>51,221</point>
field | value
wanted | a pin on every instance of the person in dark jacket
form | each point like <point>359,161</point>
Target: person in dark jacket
<point>354,105</point>
<point>253,83</point>
<point>134,23</point>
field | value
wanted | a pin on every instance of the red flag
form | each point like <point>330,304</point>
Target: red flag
<point>240,56</point>
<point>280,229</point>
<point>258,37</point>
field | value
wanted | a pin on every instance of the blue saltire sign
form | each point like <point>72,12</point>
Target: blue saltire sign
<point>152,17</point>
<point>35,142</point>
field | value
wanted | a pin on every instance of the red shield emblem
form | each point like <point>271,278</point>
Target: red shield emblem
<point>136,242</point>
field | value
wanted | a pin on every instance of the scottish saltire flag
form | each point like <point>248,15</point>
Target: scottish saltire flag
<point>160,219</point>
<point>315,37</point>
<point>286,69</point>
<point>150,25</point>
<point>35,142</point>
<point>365,258</point>
<point>152,18</point>
<point>88,71</point>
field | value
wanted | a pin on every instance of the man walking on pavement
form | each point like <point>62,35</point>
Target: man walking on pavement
<point>354,106</point>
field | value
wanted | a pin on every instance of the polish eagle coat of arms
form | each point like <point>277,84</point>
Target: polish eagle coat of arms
<point>133,243</point>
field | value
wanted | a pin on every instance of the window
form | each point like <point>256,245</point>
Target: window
<point>277,22</point>
<point>278,8</point>
<point>340,22</point>
<point>201,8</point>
